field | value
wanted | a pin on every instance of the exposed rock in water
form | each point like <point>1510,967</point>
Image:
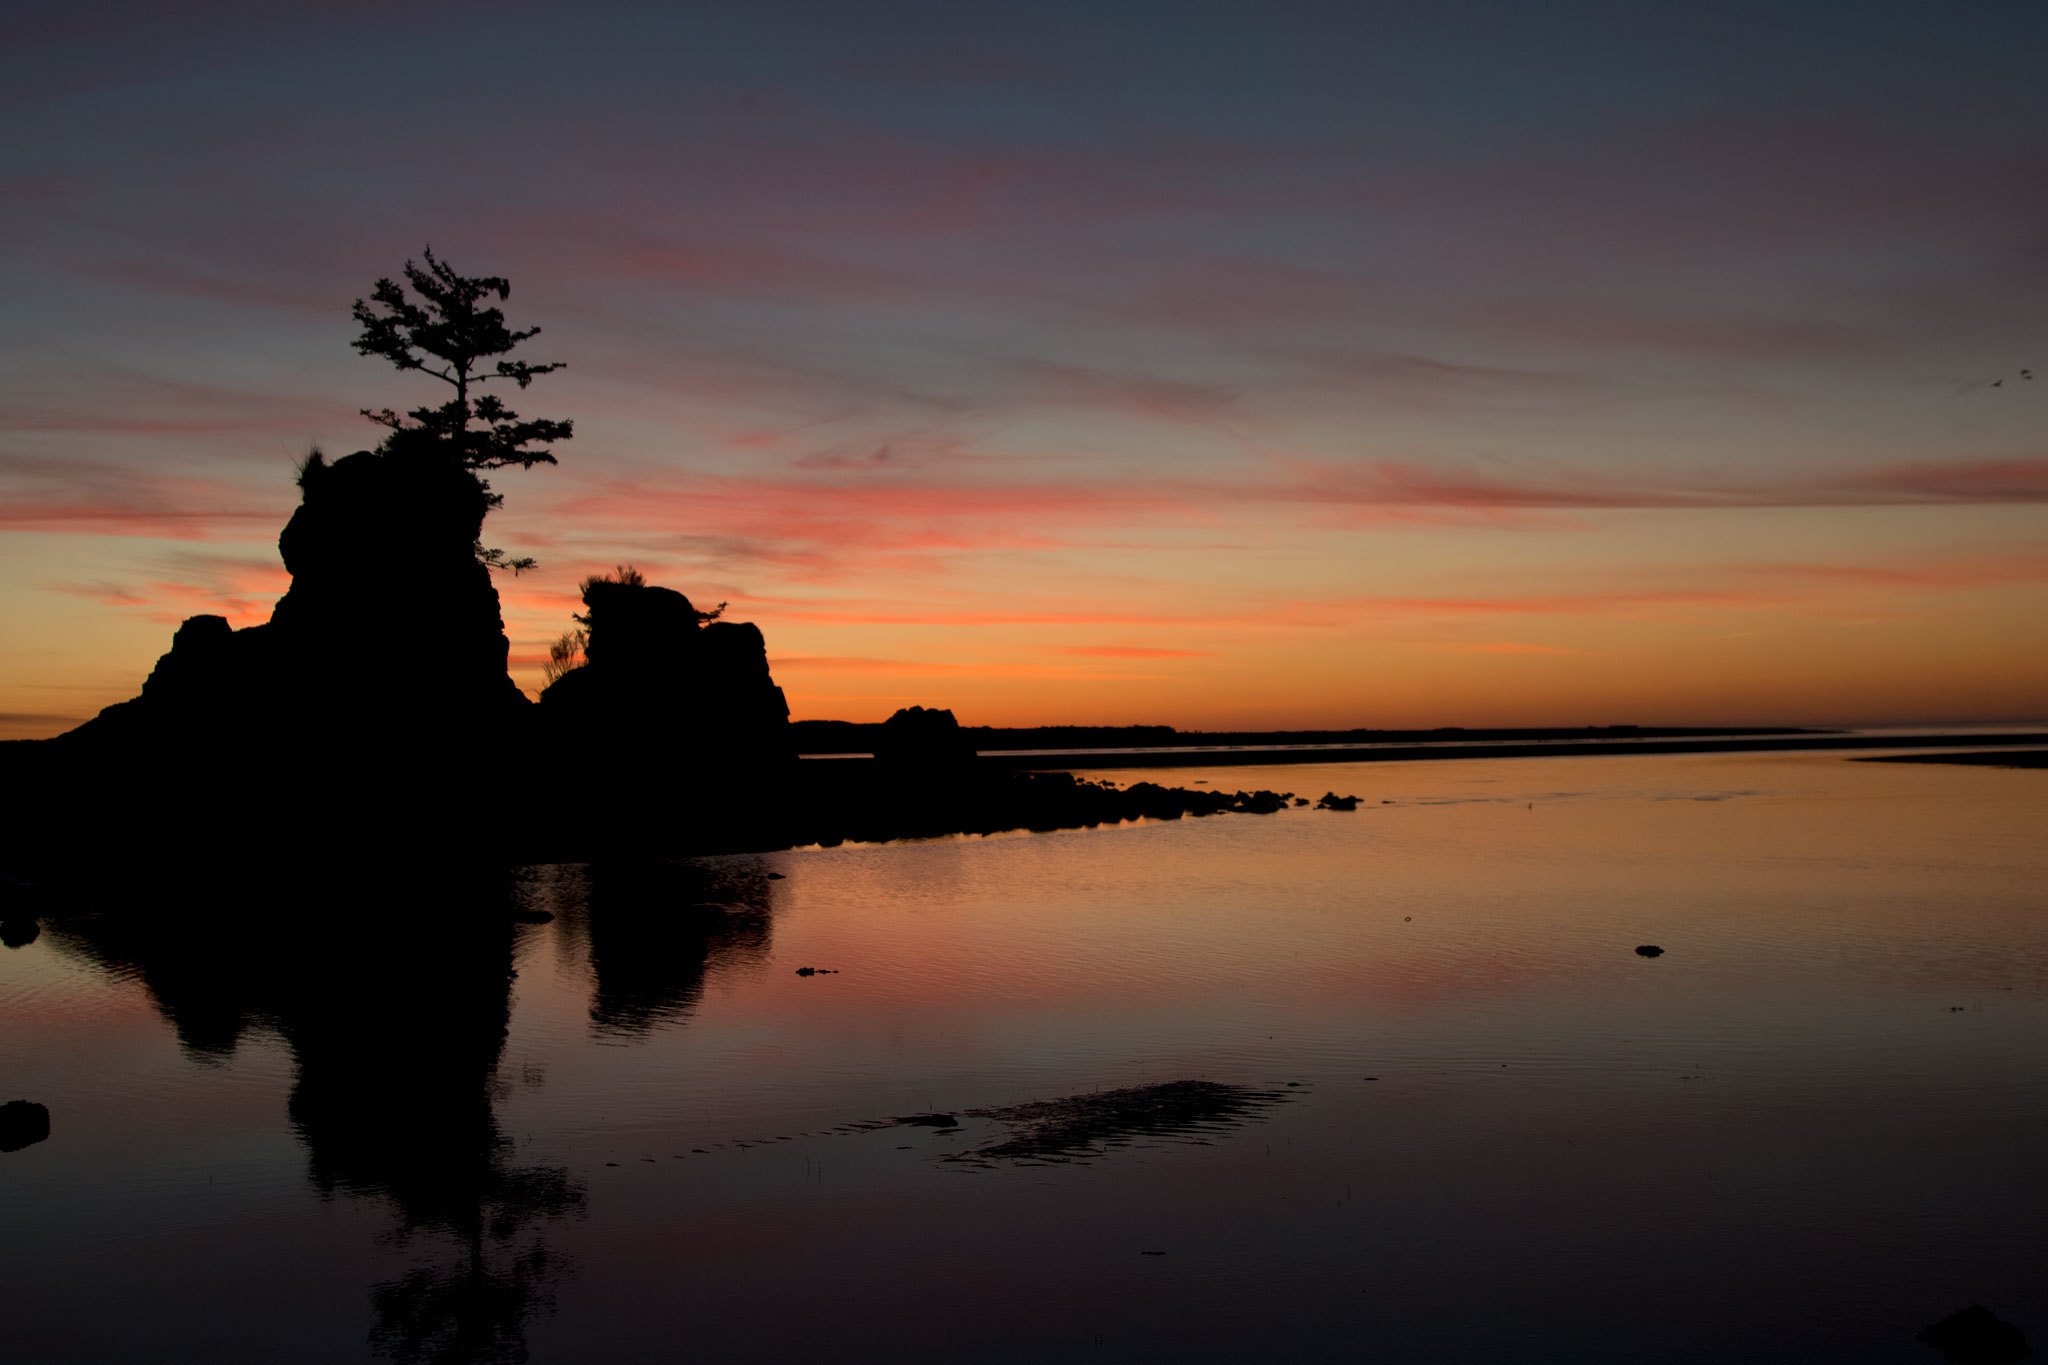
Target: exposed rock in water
<point>676,715</point>
<point>373,707</point>
<point>1649,950</point>
<point>679,718</point>
<point>1332,801</point>
<point>1977,1336</point>
<point>19,933</point>
<point>873,802</point>
<point>23,1123</point>
<point>371,721</point>
<point>661,686</point>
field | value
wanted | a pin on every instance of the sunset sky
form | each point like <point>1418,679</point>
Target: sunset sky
<point>1213,365</point>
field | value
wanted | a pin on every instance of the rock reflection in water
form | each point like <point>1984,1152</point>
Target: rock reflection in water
<point>652,931</point>
<point>394,1000</point>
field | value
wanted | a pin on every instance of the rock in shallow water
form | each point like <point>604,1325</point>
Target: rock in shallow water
<point>23,1123</point>
<point>1977,1336</point>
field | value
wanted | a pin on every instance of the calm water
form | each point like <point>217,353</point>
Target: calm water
<point>635,1133</point>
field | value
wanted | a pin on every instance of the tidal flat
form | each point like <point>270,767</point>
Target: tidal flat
<point>1388,1084</point>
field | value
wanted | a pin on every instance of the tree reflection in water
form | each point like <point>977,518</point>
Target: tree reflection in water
<point>393,994</point>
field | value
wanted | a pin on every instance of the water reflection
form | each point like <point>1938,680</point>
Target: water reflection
<point>394,998</point>
<point>652,932</point>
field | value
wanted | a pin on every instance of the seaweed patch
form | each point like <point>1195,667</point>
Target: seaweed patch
<point>1082,1127</point>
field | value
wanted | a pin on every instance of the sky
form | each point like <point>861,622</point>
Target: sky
<point>1217,365</point>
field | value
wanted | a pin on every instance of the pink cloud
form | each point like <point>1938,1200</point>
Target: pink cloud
<point>194,583</point>
<point>828,525</point>
<point>1388,483</point>
<point>2012,480</point>
<point>938,669</point>
<point>106,594</point>
<point>90,497</point>
<point>1749,587</point>
<point>1864,591</point>
<point>834,521</point>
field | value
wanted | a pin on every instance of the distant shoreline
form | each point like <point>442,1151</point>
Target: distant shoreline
<point>1392,753</point>
<point>841,738</point>
<point>2019,758</point>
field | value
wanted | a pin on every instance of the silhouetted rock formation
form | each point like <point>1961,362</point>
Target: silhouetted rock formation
<point>382,553</point>
<point>918,738</point>
<point>1977,1336</point>
<point>874,802</point>
<point>371,719</point>
<point>660,680</point>
<point>677,721</point>
<point>368,698</point>
<point>23,1123</point>
<point>212,680</point>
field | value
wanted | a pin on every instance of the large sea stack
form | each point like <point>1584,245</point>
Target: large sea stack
<point>374,703</point>
<point>389,606</point>
<point>389,638</point>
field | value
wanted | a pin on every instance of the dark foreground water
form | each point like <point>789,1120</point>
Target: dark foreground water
<point>1449,1113</point>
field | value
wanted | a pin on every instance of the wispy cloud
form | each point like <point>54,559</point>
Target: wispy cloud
<point>836,523</point>
<point>91,497</point>
<point>189,583</point>
<point>1132,652</point>
<point>127,402</point>
<point>929,668</point>
<point>1391,484</point>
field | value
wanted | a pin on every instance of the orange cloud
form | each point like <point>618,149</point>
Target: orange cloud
<point>920,668</point>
